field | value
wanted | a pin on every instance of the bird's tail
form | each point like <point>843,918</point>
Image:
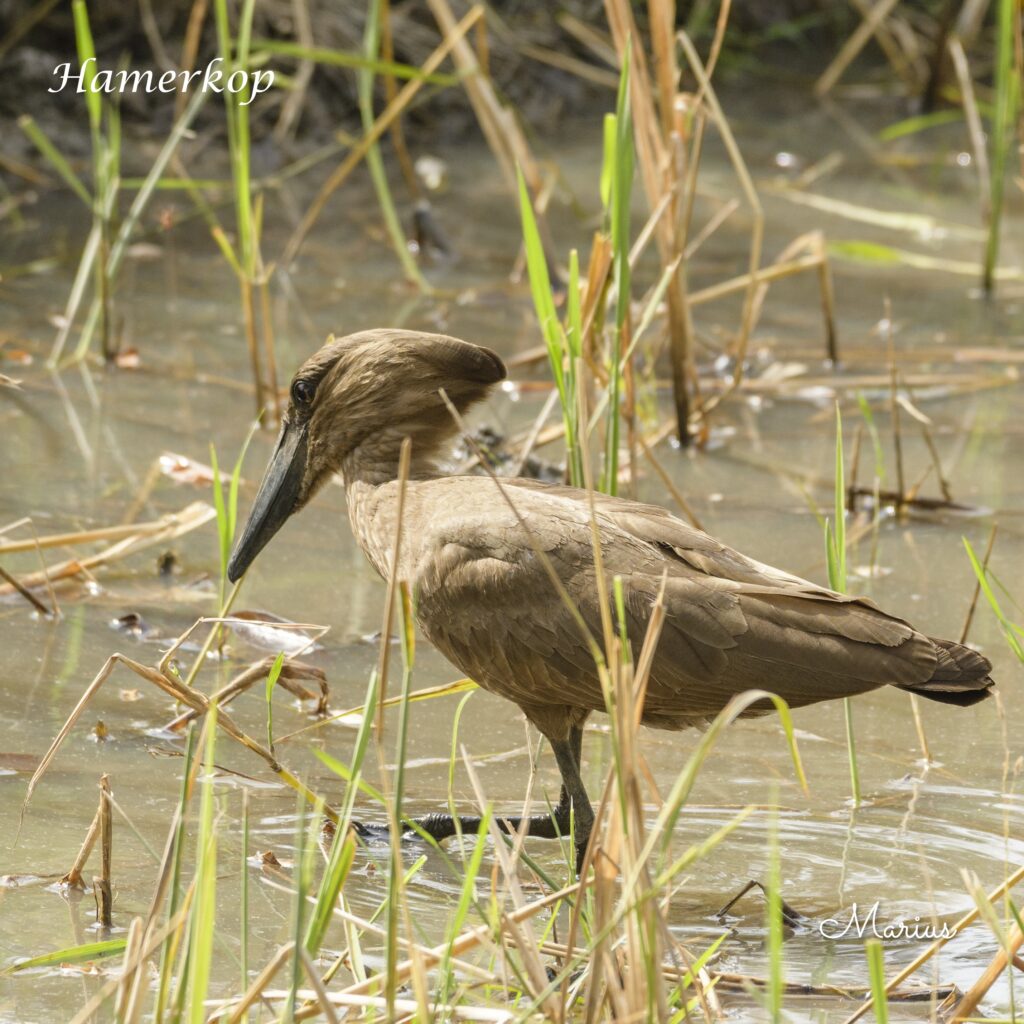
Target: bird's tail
<point>961,676</point>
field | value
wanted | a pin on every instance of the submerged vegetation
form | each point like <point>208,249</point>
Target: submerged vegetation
<point>666,281</point>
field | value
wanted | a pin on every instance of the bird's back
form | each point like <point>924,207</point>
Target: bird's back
<point>481,557</point>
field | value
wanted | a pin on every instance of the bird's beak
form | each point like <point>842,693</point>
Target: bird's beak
<point>276,498</point>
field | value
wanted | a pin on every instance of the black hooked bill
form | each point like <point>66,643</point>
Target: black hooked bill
<point>275,500</point>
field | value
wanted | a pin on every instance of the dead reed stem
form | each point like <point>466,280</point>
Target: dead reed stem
<point>73,879</point>
<point>894,408</point>
<point>25,593</point>
<point>291,673</point>
<point>380,126</point>
<point>757,213</point>
<point>1004,956</point>
<point>133,539</point>
<point>467,940</point>
<point>384,656</point>
<point>853,45</point>
<point>180,691</point>
<point>101,885</point>
<point>660,129</point>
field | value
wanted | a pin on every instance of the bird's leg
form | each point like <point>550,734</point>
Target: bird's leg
<point>555,825</point>
<point>568,754</point>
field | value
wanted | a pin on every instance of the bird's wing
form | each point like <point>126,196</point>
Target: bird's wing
<point>731,623</point>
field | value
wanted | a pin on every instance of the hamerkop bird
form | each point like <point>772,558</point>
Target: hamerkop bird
<point>485,599</point>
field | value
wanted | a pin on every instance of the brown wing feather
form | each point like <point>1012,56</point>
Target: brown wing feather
<point>732,624</point>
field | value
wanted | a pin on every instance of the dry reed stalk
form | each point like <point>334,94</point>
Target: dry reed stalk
<point>710,99</point>
<point>190,46</point>
<point>387,46</point>
<point>384,655</point>
<point>853,45</point>
<point>660,132</point>
<point>677,495</point>
<point>267,334</point>
<point>975,131</point>
<point>63,540</point>
<point>291,673</point>
<point>291,108</point>
<point>392,111</point>
<point>101,883</point>
<point>512,931</point>
<point>592,38</point>
<point>102,994</point>
<point>575,66</point>
<point>894,408</point>
<point>133,540</point>
<point>181,691</point>
<point>128,1002</point>
<point>828,301</point>
<point>1004,956</point>
<point>715,221</point>
<point>463,943</point>
<point>25,593</point>
<point>531,438</point>
<point>977,585</point>
<point>969,918</point>
<point>73,879</point>
<point>255,991</point>
<point>410,1009</point>
<point>891,47</point>
<point>504,136</point>
<point>814,242</point>
<point>322,997</point>
<point>741,983</point>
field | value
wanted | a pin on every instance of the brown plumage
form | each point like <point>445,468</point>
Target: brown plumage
<point>485,600</point>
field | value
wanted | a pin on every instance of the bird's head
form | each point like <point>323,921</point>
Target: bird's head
<point>350,405</point>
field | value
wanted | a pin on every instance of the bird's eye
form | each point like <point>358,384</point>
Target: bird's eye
<point>303,392</point>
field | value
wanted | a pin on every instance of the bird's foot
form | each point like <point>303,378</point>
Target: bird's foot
<point>439,827</point>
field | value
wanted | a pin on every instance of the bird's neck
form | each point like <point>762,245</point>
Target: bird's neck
<point>372,493</point>
<point>376,460</point>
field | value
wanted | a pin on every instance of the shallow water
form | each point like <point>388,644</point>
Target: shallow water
<point>77,449</point>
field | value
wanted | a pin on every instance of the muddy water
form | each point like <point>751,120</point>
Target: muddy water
<point>77,450</point>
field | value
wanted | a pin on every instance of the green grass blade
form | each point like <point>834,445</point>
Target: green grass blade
<point>41,141</point>
<point>204,907</point>
<point>1007,86</point>
<point>338,866</point>
<point>374,160</point>
<point>876,970</point>
<point>272,678</point>
<point>1012,632</point>
<point>71,955</point>
<point>345,59</point>
<point>774,924</point>
<point>87,59</point>
<point>876,443</point>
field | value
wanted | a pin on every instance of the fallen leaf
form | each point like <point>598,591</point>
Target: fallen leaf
<point>130,696</point>
<point>272,633</point>
<point>183,470</point>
